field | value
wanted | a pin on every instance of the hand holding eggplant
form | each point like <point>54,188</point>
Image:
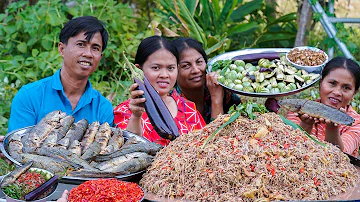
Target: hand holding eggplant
<point>136,103</point>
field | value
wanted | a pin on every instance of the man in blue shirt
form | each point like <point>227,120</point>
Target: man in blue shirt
<point>82,42</point>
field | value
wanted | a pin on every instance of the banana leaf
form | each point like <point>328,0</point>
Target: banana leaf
<point>239,14</point>
<point>242,28</point>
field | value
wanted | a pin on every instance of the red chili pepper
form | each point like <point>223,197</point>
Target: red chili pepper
<point>302,170</point>
<point>316,181</point>
<point>286,146</point>
<point>106,190</point>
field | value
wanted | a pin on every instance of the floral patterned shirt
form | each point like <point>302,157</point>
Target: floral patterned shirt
<point>187,119</point>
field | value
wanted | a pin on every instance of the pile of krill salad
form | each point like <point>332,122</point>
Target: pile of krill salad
<point>248,160</point>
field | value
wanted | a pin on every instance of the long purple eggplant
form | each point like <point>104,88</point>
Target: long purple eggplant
<point>257,56</point>
<point>41,189</point>
<point>162,108</point>
<point>155,118</point>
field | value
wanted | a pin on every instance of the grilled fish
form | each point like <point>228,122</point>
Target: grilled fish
<point>117,139</point>
<point>64,126</point>
<point>33,139</point>
<point>65,154</point>
<point>75,148</point>
<point>149,148</point>
<point>51,140</point>
<point>118,160</point>
<point>54,165</point>
<point>93,150</point>
<point>15,147</point>
<point>89,136</point>
<point>47,124</point>
<point>317,110</point>
<point>77,130</point>
<point>133,165</point>
<point>63,143</point>
<point>103,136</point>
<point>30,142</point>
<point>13,175</point>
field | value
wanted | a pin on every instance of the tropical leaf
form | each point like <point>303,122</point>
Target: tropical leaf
<point>276,36</point>
<point>220,44</point>
<point>286,18</point>
<point>242,28</point>
<point>191,5</point>
<point>239,14</point>
<point>224,15</point>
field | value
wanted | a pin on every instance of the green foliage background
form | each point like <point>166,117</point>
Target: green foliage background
<point>29,37</point>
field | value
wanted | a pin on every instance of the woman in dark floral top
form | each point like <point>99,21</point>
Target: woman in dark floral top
<point>210,98</point>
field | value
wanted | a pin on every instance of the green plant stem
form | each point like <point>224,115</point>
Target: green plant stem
<point>232,119</point>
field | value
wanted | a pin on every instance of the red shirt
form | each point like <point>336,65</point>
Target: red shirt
<point>350,135</point>
<point>187,119</point>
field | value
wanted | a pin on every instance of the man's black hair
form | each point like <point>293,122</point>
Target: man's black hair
<point>88,24</point>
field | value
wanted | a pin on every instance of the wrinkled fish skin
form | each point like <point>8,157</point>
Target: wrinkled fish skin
<point>77,130</point>
<point>13,175</point>
<point>89,136</point>
<point>15,148</point>
<point>66,154</point>
<point>149,148</point>
<point>93,150</point>
<point>103,136</point>
<point>117,139</point>
<point>30,142</point>
<point>118,160</point>
<point>53,165</point>
<point>64,127</point>
<point>317,110</point>
<point>75,148</point>
<point>51,140</point>
<point>41,130</point>
<point>133,165</point>
<point>47,124</point>
<point>63,143</point>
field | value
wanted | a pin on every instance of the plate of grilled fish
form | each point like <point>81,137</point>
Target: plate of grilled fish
<point>79,151</point>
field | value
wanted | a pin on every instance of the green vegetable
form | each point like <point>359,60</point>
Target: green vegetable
<point>14,191</point>
<point>221,64</point>
<point>232,118</point>
<point>5,167</point>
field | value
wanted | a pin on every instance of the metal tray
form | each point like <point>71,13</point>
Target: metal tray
<point>232,54</point>
<point>4,147</point>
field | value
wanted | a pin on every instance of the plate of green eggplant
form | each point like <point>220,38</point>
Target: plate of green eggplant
<point>262,72</point>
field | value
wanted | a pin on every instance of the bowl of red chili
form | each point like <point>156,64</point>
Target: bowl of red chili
<point>27,182</point>
<point>106,189</point>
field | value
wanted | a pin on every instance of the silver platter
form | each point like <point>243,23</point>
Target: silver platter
<point>4,147</point>
<point>232,54</point>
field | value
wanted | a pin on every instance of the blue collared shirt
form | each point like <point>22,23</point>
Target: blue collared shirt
<point>35,100</point>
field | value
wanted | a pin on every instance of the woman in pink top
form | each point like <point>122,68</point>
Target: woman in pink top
<point>339,83</point>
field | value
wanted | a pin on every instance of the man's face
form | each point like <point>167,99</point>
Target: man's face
<point>81,57</point>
